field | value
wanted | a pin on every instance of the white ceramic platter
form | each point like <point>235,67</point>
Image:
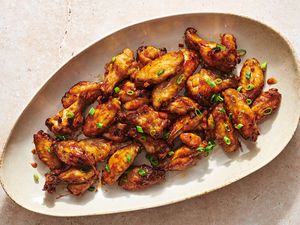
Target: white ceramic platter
<point>209,174</point>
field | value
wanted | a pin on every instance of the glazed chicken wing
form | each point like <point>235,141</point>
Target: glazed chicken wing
<point>167,90</point>
<point>223,130</point>
<point>242,115</point>
<point>43,148</point>
<point>266,104</point>
<point>191,140</point>
<point>141,177</point>
<point>84,152</point>
<point>119,162</point>
<point>101,118</point>
<point>159,69</point>
<point>77,176</point>
<point>88,91</point>
<point>252,79</point>
<point>203,85</point>
<point>147,120</point>
<point>117,132</point>
<point>146,54</point>
<point>222,56</point>
<point>182,105</point>
<point>79,189</point>
<point>120,67</point>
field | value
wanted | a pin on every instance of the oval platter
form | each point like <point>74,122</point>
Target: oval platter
<point>211,173</point>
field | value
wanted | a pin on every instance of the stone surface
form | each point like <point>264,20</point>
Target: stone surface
<point>37,37</point>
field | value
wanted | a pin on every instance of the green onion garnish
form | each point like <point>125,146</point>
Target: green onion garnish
<point>70,115</point>
<point>91,188</point>
<point>130,92</point>
<point>222,110</point>
<point>99,125</point>
<point>248,75</point>
<point>200,149</point>
<point>239,88</point>
<point>49,149</point>
<point>198,112</point>
<point>113,58</point>
<point>221,47</point>
<point>249,101</point>
<point>165,135</point>
<point>263,66</point>
<point>239,126</point>
<point>142,138</point>
<point>92,111</point>
<point>107,168</point>
<point>230,116</point>
<point>218,81</point>
<point>179,79</point>
<point>227,140</point>
<point>267,111</point>
<point>250,87</point>
<point>170,153</point>
<point>128,158</point>
<point>142,172</point>
<point>226,127</point>
<point>219,99</point>
<point>213,98</point>
<point>153,160</point>
<point>61,137</point>
<point>210,83</point>
<point>152,132</point>
<point>160,72</point>
<point>117,90</point>
<point>36,178</point>
<point>208,149</point>
<point>241,52</point>
<point>139,129</point>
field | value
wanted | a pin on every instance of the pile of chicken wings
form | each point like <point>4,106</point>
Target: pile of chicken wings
<point>156,103</point>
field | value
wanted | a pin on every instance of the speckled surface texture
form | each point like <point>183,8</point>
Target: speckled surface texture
<point>37,37</point>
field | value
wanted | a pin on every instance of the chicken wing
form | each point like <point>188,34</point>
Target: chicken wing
<point>101,118</point>
<point>120,67</point>
<point>84,152</point>
<point>191,140</point>
<point>117,132</point>
<point>266,104</point>
<point>146,54</point>
<point>159,69</point>
<point>79,189</point>
<point>223,56</point>
<point>242,115</point>
<point>141,177</point>
<point>252,79</point>
<point>167,90</point>
<point>182,105</point>
<point>78,176</point>
<point>88,91</point>
<point>204,85</point>
<point>146,120</point>
<point>43,148</point>
<point>136,103</point>
<point>224,131</point>
<point>119,162</point>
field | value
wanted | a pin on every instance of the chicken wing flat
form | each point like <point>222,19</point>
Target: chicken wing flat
<point>79,189</point>
<point>88,91</point>
<point>224,132</point>
<point>77,176</point>
<point>117,132</point>
<point>266,104</point>
<point>141,177</point>
<point>242,115</point>
<point>222,56</point>
<point>147,120</point>
<point>191,140</point>
<point>159,69</point>
<point>43,148</point>
<point>101,118</point>
<point>182,158</point>
<point>84,152</point>
<point>136,103</point>
<point>203,85</point>
<point>119,162</point>
<point>167,90</point>
<point>186,123</point>
<point>146,54</point>
<point>67,121</point>
<point>120,67</point>
<point>252,79</point>
<point>182,105</point>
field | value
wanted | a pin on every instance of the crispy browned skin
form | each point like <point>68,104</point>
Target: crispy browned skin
<point>164,93</point>
<point>200,88</point>
<point>43,148</point>
<point>266,104</point>
<point>146,54</point>
<point>185,123</point>
<point>67,121</point>
<point>222,59</point>
<point>104,116</point>
<point>256,78</point>
<point>117,70</point>
<point>84,152</point>
<point>136,103</point>
<point>151,121</point>
<point>182,158</point>
<point>117,132</point>
<point>190,139</point>
<point>87,90</point>
<point>141,177</point>
<point>224,130</point>
<point>235,103</point>
<point>51,181</point>
<point>79,189</point>
<point>182,105</point>
<point>159,69</point>
<point>119,162</point>
<point>77,176</point>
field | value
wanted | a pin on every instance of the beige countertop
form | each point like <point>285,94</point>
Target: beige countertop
<point>37,37</point>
